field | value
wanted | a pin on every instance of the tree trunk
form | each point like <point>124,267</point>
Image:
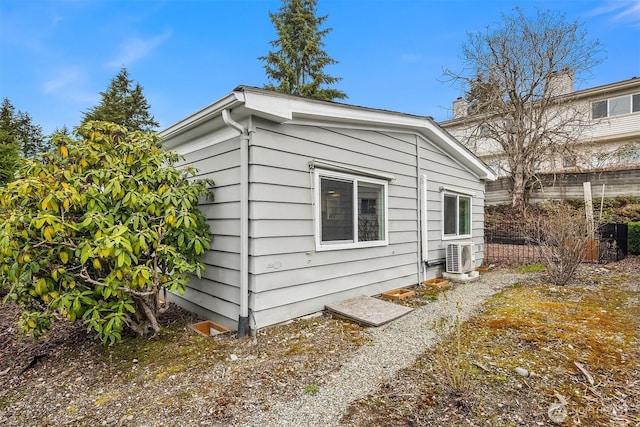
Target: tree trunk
<point>518,190</point>
<point>145,319</point>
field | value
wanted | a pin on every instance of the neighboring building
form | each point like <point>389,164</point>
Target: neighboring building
<point>608,138</point>
<point>316,202</point>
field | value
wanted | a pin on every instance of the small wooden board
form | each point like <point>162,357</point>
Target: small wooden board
<point>438,283</point>
<point>208,328</point>
<point>398,294</point>
<point>368,311</point>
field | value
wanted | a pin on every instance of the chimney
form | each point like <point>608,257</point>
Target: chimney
<point>561,82</point>
<point>460,108</point>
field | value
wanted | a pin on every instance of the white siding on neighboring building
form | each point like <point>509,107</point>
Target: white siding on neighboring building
<point>597,142</point>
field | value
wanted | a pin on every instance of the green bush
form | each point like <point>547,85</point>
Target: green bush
<point>633,237</point>
<point>94,231</point>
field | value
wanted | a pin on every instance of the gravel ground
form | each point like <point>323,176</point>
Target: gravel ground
<point>229,382</point>
<point>393,347</point>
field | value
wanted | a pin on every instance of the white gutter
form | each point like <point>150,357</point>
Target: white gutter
<point>243,320</point>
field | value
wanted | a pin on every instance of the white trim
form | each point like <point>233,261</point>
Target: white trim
<point>456,190</point>
<point>337,167</point>
<point>456,236</point>
<point>355,179</point>
<point>282,108</point>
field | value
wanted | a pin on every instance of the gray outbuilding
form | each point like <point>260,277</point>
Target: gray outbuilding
<point>316,202</point>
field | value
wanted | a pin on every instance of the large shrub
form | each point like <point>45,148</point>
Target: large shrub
<point>633,238</point>
<point>97,229</point>
<point>562,235</point>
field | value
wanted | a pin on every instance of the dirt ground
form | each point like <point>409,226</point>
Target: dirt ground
<point>180,378</point>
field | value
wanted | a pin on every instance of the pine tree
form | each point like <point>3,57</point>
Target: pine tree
<point>17,128</point>
<point>9,158</point>
<point>297,65</point>
<point>123,103</point>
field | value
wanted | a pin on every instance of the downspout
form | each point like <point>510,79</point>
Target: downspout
<point>243,320</point>
<point>421,195</point>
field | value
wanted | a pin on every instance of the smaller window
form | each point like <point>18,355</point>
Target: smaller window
<point>636,103</point>
<point>456,215</point>
<point>599,109</point>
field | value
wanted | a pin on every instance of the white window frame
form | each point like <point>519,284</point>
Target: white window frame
<point>337,245</point>
<point>458,193</point>
<point>607,103</point>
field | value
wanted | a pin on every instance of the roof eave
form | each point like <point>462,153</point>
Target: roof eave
<point>209,112</point>
<point>282,108</point>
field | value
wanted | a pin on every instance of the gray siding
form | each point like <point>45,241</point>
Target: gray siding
<point>216,294</point>
<point>443,171</point>
<point>288,277</point>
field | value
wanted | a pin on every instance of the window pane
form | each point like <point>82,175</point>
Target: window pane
<point>450,214</point>
<point>464,215</point>
<point>620,105</point>
<point>636,103</point>
<point>599,109</point>
<point>370,212</point>
<point>337,209</point>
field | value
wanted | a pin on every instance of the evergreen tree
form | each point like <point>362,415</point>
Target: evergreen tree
<point>9,158</point>
<point>16,128</point>
<point>123,103</point>
<point>297,65</point>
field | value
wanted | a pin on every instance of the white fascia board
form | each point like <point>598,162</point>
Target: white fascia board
<point>282,108</point>
<point>207,113</point>
<point>274,108</point>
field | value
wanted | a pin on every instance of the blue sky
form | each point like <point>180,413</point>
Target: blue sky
<point>57,55</point>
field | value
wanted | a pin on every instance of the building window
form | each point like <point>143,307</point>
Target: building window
<point>599,109</point>
<point>456,215</point>
<point>615,106</point>
<point>351,211</point>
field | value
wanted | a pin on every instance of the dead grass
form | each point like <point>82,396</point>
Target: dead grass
<point>565,336</point>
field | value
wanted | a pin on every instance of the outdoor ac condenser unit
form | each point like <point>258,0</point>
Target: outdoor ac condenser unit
<point>460,257</point>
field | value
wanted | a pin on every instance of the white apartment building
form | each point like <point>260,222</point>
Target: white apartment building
<point>608,137</point>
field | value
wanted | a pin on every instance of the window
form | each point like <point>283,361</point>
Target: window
<point>599,109</point>
<point>619,106</point>
<point>456,215</point>
<point>616,106</point>
<point>351,211</point>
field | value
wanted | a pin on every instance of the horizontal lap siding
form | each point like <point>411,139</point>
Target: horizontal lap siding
<point>215,295</point>
<point>443,171</point>
<point>288,276</point>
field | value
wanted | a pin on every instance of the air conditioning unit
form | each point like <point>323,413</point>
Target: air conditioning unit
<point>460,257</point>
